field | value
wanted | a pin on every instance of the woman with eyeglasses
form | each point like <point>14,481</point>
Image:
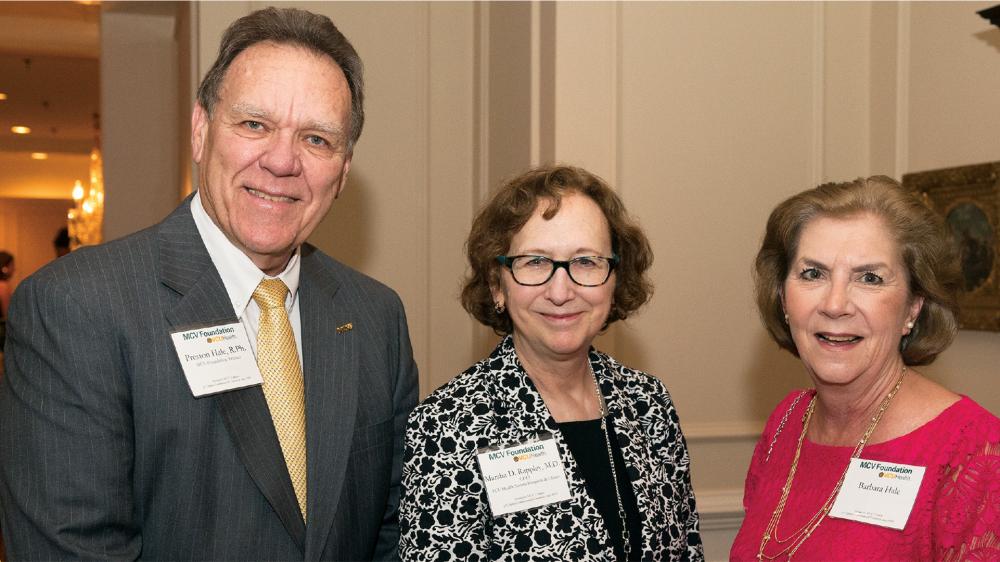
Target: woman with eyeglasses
<point>549,449</point>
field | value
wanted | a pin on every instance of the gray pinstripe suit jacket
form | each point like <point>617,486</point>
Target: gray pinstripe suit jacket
<point>104,453</point>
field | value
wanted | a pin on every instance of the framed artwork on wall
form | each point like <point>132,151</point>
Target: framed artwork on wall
<point>968,198</point>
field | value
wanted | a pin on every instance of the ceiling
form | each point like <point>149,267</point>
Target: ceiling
<point>57,97</point>
<point>49,70</point>
<point>50,28</point>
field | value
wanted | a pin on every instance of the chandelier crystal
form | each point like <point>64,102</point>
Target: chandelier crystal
<point>86,218</point>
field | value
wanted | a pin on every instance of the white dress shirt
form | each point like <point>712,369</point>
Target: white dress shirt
<point>241,277</point>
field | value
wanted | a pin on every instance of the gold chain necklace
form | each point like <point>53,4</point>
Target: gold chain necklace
<point>798,537</point>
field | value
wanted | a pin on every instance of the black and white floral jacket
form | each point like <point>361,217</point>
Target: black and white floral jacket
<point>444,512</point>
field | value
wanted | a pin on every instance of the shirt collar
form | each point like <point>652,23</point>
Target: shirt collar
<point>239,274</point>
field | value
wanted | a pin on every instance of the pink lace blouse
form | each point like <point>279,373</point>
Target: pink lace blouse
<point>956,515</point>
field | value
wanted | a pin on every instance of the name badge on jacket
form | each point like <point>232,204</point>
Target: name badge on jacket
<point>878,492</point>
<point>216,358</point>
<point>524,476</point>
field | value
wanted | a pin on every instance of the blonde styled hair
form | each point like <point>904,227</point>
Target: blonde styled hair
<point>927,251</point>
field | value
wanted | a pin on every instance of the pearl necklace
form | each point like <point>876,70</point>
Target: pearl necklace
<point>798,537</point>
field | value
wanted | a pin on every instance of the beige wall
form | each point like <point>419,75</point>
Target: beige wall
<point>952,118</point>
<point>141,115</point>
<point>704,115</point>
<point>52,178</point>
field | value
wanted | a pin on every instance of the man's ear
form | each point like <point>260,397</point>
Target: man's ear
<point>199,130</point>
<point>343,176</point>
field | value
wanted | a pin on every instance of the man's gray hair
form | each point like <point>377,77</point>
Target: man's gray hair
<point>295,27</point>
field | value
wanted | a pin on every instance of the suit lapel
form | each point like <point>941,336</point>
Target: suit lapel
<point>331,379</point>
<point>186,267</point>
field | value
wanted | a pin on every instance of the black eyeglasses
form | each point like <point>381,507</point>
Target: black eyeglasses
<point>586,271</point>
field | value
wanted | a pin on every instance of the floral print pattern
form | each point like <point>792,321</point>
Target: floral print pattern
<point>444,511</point>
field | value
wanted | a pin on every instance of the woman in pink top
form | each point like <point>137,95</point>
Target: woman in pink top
<point>876,462</point>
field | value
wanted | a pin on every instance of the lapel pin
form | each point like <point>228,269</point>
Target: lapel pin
<point>345,328</point>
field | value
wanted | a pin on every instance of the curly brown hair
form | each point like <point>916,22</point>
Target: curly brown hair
<point>927,251</point>
<point>511,207</point>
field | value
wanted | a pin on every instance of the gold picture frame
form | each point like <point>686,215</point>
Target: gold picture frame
<point>968,198</point>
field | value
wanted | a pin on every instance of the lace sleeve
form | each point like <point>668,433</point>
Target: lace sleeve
<point>967,511</point>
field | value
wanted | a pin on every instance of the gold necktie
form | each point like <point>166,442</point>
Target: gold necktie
<point>278,360</point>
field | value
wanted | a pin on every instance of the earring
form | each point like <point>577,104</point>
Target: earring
<point>786,318</point>
<point>499,308</point>
<point>910,324</point>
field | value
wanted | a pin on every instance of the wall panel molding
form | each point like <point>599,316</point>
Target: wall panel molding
<point>720,509</point>
<point>720,513</point>
<point>481,99</point>
<point>818,92</point>
<point>451,186</point>
<point>902,90</point>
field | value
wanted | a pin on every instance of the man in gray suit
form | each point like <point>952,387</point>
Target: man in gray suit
<point>133,421</point>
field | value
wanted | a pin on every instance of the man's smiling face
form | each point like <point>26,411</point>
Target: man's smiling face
<point>274,154</point>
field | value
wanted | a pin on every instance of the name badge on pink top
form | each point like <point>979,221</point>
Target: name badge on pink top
<point>878,492</point>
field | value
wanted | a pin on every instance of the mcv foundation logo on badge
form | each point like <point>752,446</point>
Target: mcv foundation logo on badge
<point>890,471</point>
<point>221,333</point>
